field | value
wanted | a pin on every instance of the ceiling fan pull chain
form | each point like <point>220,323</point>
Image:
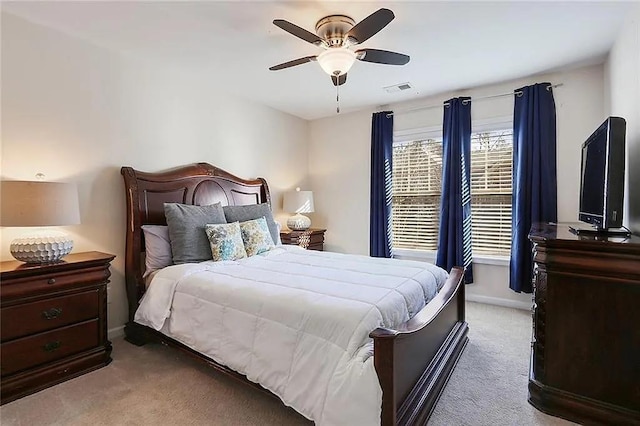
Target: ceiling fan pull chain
<point>337,98</point>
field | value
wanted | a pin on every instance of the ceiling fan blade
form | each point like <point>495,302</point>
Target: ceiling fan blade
<point>382,57</point>
<point>293,63</point>
<point>339,81</point>
<point>370,25</point>
<point>298,32</point>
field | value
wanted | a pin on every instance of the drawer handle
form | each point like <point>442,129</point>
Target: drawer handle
<point>51,346</point>
<point>51,281</point>
<point>52,313</point>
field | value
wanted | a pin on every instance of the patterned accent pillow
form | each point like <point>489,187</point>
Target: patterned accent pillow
<point>225,240</point>
<point>256,236</point>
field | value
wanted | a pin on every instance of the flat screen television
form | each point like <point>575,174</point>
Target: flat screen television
<point>602,177</point>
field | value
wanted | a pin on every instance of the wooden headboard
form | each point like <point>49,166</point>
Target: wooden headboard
<point>196,184</point>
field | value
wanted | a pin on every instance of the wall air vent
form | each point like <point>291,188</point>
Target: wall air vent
<point>398,87</point>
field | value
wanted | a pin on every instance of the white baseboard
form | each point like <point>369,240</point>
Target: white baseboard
<point>499,301</point>
<point>114,332</point>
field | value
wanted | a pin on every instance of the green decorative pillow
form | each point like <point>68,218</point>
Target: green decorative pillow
<point>225,240</point>
<point>256,236</point>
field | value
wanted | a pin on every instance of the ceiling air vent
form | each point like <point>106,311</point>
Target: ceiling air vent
<point>398,87</point>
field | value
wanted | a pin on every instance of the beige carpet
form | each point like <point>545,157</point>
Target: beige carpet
<point>154,385</point>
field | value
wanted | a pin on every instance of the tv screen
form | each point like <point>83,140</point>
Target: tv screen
<point>602,175</point>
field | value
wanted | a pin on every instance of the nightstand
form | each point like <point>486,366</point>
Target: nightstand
<point>312,238</point>
<point>54,322</point>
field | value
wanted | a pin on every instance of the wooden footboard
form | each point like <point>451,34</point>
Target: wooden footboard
<point>415,361</point>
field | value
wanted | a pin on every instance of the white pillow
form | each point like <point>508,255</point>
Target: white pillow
<point>157,248</point>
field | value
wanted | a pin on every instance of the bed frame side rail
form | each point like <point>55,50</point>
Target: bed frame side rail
<point>414,362</point>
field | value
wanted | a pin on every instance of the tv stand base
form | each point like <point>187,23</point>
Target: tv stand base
<point>610,232</point>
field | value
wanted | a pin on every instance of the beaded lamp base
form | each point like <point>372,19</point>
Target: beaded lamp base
<point>298,222</point>
<point>44,247</point>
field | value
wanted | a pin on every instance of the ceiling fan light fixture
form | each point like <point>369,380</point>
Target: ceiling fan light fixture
<point>336,61</point>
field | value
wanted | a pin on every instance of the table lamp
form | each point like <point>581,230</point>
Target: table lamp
<point>298,202</point>
<point>39,204</point>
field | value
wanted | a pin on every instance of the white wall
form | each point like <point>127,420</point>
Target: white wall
<point>623,99</point>
<point>339,162</point>
<point>77,112</point>
<point>339,173</point>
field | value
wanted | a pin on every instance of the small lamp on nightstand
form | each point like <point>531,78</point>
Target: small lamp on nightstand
<point>298,202</point>
<point>39,204</point>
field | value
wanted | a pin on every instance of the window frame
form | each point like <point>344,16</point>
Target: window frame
<point>435,132</point>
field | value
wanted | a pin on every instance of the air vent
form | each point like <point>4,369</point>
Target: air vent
<point>398,87</point>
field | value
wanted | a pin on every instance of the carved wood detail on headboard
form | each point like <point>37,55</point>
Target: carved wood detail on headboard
<point>196,184</point>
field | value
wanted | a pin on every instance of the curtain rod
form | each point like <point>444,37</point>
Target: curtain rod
<point>516,92</point>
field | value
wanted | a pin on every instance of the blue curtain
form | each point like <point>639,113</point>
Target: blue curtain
<point>454,238</point>
<point>380,236</point>
<point>534,175</point>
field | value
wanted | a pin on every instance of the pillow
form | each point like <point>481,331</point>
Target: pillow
<point>253,211</point>
<point>157,248</point>
<point>225,241</point>
<point>279,227</point>
<point>256,236</point>
<point>186,230</point>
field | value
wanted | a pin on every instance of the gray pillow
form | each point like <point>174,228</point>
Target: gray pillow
<point>157,248</point>
<point>250,212</point>
<point>189,242</point>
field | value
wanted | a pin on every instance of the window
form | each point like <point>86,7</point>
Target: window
<point>417,186</point>
<point>491,171</point>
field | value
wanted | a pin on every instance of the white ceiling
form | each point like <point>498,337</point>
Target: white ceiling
<point>453,45</point>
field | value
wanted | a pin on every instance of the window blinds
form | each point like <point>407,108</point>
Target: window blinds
<point>491,171</point>
<point>417,186</point>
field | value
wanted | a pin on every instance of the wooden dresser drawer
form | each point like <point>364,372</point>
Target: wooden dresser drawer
<point>41,348</point>
<point>29,318</point>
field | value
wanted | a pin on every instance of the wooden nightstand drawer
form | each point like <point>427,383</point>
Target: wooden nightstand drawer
<point>41,348</point>
<point>30,318</point>
<point>18,385</point>
<point>47,283</point>
<point>312,239</point>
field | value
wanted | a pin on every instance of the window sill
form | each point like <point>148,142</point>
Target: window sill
<point>485,259</point>
<point>413,254</point>
<point>430,256</point>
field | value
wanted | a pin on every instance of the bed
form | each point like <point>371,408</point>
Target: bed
<point>412,361</point>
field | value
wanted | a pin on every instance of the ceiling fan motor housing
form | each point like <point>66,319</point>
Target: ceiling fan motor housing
<point>333,29</point>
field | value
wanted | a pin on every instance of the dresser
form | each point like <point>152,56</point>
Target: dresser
<point>585,358</point>
<point>53,320</point>
<point>312,238</point>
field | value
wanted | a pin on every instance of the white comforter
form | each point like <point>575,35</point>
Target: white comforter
<point>295,321</point>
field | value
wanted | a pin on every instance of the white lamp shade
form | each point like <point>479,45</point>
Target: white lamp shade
<point>336,61</point>
<point>298,202</point>
<point>35,203</point>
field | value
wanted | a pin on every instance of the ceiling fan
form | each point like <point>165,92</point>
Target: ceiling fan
<point>336,33</point>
